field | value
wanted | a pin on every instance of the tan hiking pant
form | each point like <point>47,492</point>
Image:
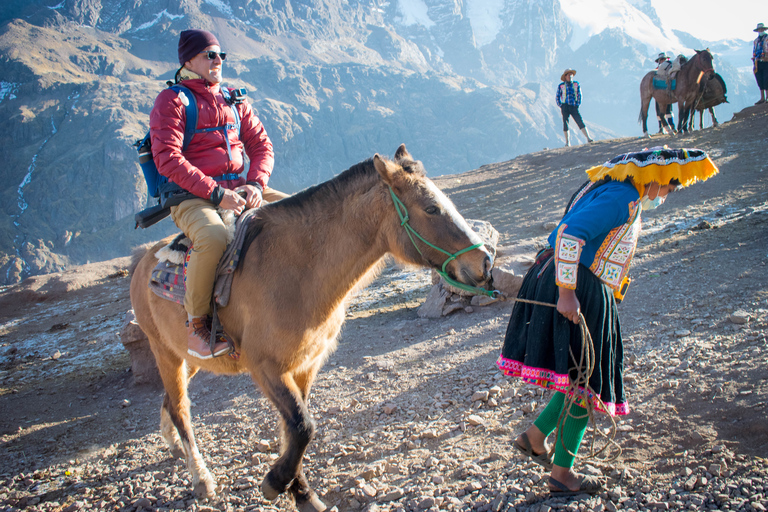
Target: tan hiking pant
<point>198,219</point>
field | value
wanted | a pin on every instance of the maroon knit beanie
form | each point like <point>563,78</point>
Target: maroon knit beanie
<point>192,42</point>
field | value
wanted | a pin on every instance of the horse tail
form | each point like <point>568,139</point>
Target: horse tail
<point>136,254</point>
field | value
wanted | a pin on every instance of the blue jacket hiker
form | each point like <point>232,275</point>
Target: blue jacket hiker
<point>568,98</point>
<point>760,61</point>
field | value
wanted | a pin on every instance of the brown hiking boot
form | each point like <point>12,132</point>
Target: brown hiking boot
<point>198,340</point>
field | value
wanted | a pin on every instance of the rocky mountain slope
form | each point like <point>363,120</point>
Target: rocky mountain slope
<point>412,413</point>
<point>462,83</point>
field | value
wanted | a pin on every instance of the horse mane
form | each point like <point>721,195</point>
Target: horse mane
<point>303,203</point>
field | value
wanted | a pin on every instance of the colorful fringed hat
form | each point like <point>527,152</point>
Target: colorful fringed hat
<point>660,165</point>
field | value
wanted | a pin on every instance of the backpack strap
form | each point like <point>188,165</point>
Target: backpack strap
<point>190,107</point>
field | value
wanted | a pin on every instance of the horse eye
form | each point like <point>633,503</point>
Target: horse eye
<point>431,210</point>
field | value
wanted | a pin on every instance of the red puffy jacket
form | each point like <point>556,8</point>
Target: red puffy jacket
<point>206,154</point>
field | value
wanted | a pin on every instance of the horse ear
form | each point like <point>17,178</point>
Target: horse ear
<point>388,170</point>
<point>402,154</point>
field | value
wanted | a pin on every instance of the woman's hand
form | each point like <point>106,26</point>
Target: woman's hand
<point>568,305</point>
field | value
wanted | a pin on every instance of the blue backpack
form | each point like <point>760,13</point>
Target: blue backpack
<point>158,186</point>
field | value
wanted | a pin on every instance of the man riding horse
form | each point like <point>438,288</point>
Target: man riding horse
<point>207,171</point>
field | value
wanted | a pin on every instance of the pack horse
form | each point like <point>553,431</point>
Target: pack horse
<point>301,260</point>
<point>686,91</point>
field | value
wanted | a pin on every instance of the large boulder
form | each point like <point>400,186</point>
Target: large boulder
<point>510,265</point>
<point>143,365</point>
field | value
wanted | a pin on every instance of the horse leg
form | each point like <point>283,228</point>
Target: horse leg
<point>168,430</point>
<point>176,423</point>
<point>306,499</point>
<point>646,102</point>
<point>683,124</point>
<point>660,117</point>
<point>712,113</point>
<point>297,426</point>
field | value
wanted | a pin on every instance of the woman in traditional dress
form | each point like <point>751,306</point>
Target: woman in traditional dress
<point>582,271</point>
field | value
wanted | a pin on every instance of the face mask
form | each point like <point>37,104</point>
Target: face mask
<point>650,204</point>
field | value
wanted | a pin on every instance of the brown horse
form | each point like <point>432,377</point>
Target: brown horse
<point>713,92</point>
<point>302,258</point>
<point>685,93</point>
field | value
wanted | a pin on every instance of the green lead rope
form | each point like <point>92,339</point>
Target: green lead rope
<point>402,212</point>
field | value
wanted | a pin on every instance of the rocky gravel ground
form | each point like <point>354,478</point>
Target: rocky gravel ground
<point>412,413</point>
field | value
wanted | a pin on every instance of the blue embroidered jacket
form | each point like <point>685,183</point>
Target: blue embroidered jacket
<point>759,48</point>
<point>568,93</point>
<point>599,231</point>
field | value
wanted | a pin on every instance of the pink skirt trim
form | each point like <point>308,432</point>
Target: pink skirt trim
<point>548,379</point>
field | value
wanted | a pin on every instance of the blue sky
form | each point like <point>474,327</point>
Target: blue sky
<point>714,19</point>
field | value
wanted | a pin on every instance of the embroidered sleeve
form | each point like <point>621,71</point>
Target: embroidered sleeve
<point>567,253</point>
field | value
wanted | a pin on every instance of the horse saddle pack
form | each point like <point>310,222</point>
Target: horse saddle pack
<point>661,83</point>
<point>168,276</point>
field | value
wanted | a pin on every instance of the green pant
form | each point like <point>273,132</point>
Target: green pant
<point>572,431</point>
<point>200,221</point>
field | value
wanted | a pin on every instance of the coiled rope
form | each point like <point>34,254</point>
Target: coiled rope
<point>579,387</point>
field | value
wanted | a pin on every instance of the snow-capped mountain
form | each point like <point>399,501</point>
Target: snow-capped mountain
<point>637,19</point>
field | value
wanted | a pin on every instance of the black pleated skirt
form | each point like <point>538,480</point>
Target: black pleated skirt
<point>539,340</point>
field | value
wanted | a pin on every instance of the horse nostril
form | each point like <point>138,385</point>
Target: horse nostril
<point>487,264</point>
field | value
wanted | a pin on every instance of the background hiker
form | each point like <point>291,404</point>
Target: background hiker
<point>662,71</point>
<point>760,61</point>
<point>568,98</point>
<point>585,264</point>
<point>208,169</point>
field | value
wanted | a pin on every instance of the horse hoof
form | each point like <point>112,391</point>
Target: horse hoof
<point>205,489</point>
<point>312,505</point>
<point>178,453</point>
<point>269,492</point>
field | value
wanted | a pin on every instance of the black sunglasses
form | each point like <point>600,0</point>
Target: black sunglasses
<point>212,55</point>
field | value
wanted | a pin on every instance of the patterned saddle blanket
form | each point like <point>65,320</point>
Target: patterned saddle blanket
<point>661,83</point>
<point>168,277</point>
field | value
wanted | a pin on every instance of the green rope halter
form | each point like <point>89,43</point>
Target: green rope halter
<point>402,212</point>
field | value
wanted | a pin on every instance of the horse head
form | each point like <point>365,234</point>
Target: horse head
<point>429,230</point>
<point>705,61</point>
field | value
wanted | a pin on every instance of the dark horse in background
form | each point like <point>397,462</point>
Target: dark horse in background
<point>688,88</point>
<point>302,259</point>
<point>712,94</point>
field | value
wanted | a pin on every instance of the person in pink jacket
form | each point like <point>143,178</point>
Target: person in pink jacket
<point>208,170</point>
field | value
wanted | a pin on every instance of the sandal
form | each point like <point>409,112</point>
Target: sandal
<point>589,485</point>
<point>543,459</point>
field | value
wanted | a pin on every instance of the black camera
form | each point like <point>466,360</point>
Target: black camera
<point>238,95</point>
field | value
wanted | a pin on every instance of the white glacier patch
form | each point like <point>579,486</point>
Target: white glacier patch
<point>485,19</point>
<point>157,19</point>
<point>414,12</point>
